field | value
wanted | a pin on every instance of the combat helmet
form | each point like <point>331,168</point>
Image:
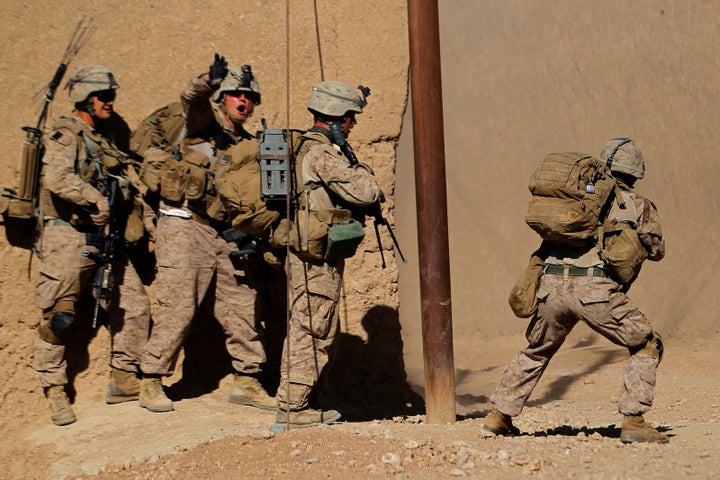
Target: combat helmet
<point>88,80</point>
<point>623,156</point>
<point>239,79</point>
<point>335,99</point>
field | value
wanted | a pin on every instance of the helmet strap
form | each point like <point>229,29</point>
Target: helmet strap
<point>623,141</point>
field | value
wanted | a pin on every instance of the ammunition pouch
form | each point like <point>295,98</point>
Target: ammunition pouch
<point>173,181</point>
<point>196,182</point>
<point>151,169</point>
<point>181,175</point>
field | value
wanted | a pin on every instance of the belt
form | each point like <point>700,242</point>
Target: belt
<point>575,271</point>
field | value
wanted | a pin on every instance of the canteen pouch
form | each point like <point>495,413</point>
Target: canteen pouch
<point>343,240</point>
<point>523,295</point>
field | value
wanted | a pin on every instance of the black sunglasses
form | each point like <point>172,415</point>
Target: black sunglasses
<point>106,96</point>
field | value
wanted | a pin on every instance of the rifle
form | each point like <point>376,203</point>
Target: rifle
<point>108,241</point>
<point>375,210</point>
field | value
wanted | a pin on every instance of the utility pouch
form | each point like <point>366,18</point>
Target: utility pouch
<point>306,235</point>
<point>135,226</point>
<point>343,240</point>
<point>20,232</point>
<point>623,254</point>
<point>173,181</point>
<point>196,182</point>
<point>523,295</point>
<point>151,168</point>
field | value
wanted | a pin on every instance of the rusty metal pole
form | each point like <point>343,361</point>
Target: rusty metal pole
<point>431,198</point>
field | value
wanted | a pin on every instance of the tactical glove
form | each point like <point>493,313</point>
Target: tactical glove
<point>218,70</point>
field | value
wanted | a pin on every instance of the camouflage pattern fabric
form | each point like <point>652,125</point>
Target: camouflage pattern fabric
<point>600,303</point>
<point>192,258</point>
<point>65,273</point>
<point>314,323</point>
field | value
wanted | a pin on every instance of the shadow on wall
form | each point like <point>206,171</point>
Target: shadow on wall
<point>368,380</point>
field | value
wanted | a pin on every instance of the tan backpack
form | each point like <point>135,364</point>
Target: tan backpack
<point>163,129</point>
<point>571,194</point>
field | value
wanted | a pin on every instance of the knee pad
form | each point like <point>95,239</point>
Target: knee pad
<point>58,322</point>
<point>653,347</point>
<point>62,322</point>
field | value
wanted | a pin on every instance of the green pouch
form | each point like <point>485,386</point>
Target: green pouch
<point>343,240</point>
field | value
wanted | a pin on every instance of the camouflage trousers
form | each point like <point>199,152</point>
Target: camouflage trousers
<point>193,263</point>
<point>65,274</point>
<point>312,334</point>
<point>563,301</point>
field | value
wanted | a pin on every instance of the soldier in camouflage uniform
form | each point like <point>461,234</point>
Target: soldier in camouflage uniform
<point>75,217</point>
<point>576,287</point>
<point>193,258</point>
<point>336,187</point>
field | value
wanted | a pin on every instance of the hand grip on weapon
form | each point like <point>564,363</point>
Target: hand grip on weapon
<point>217,71</point>
<point>102,216</point>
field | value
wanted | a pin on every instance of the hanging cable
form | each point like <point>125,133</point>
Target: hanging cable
<point>319,47</point>
<point>288,198</point>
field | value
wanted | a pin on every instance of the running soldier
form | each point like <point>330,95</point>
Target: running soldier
<point>80,158</point>
<point>193,257</point>
<point>577,286</point>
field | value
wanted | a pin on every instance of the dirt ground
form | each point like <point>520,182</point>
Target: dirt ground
<point>520,80</point>
<point>570,430</point>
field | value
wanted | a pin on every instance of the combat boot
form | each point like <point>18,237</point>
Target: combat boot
<point>247,390</point>
<point>123,387</point>
<point>500,424</point>
<point>152,395</point>
<point>306,418</point>
<point>636,429</point>
<point>62,413</point>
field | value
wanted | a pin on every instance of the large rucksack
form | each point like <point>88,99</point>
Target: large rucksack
<point>163,129</point>
<point>571,195</point>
